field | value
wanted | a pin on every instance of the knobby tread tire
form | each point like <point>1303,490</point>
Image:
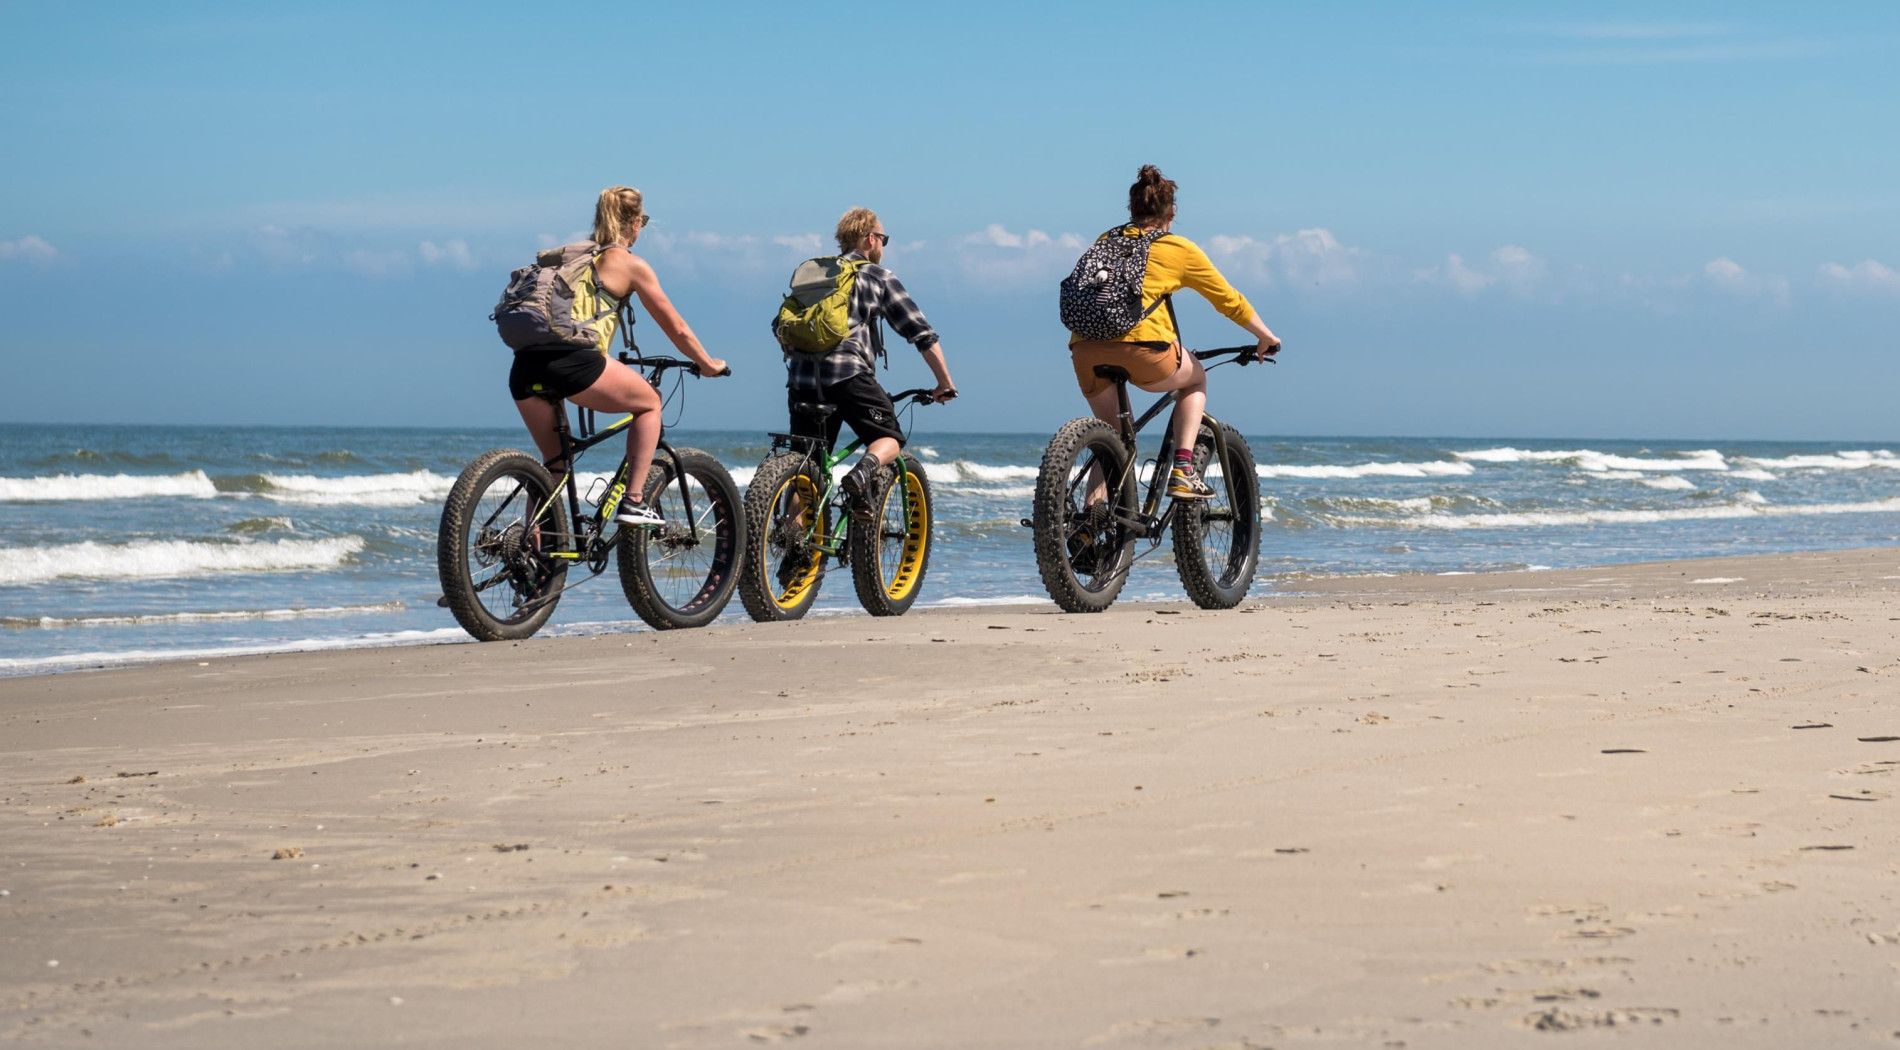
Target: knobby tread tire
<point>867,542</point>
<point>1051,515</point>
<point>727,536</point>
<point>1221,587</point>
<point>758,577</point>
<point>495,466</point>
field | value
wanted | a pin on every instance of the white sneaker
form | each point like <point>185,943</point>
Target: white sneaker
<point>633,512</point>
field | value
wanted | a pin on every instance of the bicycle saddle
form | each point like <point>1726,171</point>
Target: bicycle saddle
<point>814,409</point>
<point>1113,373</point>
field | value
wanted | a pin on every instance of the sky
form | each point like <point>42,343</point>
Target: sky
<point>1670,221</point>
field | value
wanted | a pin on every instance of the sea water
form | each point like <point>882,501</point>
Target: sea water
<point>122,544</point>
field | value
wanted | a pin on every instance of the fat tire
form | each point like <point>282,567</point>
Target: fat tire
<point>639,548</point>
<point>868,539</point>
<point>1052,517</point>
<point>1221,586</point>
<point>453,550</point>
<point>758,579</point>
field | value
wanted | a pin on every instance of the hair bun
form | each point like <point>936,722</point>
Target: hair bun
<point>1150,174</point>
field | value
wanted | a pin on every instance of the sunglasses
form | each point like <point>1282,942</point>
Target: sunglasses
<point>885,238</point>
<point>644,220</point>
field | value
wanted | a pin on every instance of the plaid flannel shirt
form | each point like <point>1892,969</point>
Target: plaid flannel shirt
<point>876,296</point>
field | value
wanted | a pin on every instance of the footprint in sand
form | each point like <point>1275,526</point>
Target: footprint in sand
<point>775,1033</point>
<point>859,949</point>
<point>1149,1027</point>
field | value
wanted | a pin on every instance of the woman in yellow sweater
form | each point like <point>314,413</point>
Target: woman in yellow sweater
<point>1151,351</point>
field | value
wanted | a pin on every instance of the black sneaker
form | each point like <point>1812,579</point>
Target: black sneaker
<point>862,487</point>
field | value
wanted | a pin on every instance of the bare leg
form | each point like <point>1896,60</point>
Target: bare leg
<point>538,415</point>
<point>1189,383</point>
<point>621,389</point>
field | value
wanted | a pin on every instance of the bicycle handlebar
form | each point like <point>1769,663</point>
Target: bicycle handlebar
<point>921,395</point>
<point>658,365</point>
<point>1244,354</point>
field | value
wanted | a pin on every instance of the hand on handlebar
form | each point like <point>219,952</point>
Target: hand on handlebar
<point>714,368</point>
<point>944,392</point>
<point>1267,349</point>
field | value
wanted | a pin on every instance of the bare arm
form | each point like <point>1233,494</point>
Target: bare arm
<point>934,358</point>
<point>622,273</point>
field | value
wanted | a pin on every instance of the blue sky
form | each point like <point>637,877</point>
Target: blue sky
<point>1601,220</point>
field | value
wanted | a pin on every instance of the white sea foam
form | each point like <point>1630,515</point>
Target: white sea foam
<point>359,490</point>
<point>1672,483</point>
<point>1594,461</point>
<point>964,603</point>
<point>964,470</point>
<point>1753,474</point>
<point>1751,496</point>
<point>56,622</point>
<point>993,491</point>
<point>59,487</point>
<point>1857,459</point>
<point>152,559</point>
<point>1534,519</point>
<point>1618,475</point>
<point>1427,469</point>
<point>37,665</point>
<point>925,451</point>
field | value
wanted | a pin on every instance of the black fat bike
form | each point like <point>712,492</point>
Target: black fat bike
<point>1090,511</point>
<point>509,537</point>
<point>797,517</point>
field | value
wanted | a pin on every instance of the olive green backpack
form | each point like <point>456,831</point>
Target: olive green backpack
<point>816,313</point>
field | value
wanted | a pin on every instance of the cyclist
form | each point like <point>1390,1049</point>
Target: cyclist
<point>591,378</point>
<point>846,375</point>
<point>1151,351</point>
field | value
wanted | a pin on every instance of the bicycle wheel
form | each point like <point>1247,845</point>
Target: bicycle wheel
<point>1217,541</point>
<point>495,577</point>
<point>890,552</point>
<point>784,567</point>
<point>1082,550</point>
<point>681,573</point>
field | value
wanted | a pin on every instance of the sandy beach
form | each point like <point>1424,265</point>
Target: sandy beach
<point>1651,804</point>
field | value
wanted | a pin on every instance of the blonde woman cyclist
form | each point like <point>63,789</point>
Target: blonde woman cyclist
<point>588,376</point>
<point>1151,351</point>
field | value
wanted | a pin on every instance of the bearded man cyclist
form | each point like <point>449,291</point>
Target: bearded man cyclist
<point>846,375</point>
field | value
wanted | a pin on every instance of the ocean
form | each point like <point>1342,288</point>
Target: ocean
<point>121,544</point>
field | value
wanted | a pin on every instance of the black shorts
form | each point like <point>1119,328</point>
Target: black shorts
<point>554,371</point>
<point>861,402</point>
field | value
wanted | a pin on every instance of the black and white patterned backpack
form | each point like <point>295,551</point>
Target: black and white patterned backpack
<point>1101,299</point>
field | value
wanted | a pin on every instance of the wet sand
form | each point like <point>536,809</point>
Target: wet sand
<point>1650,804</point>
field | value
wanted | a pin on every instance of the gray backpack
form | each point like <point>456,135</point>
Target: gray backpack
<point>538,308</point>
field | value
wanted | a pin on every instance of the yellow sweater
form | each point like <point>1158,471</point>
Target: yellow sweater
<point>1174,263</point>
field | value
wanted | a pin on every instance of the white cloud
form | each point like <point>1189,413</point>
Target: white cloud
<point>1864,276</point>
<point>31,247</point>
<point>1732,277</point>
<point>1309,258</point>
<point>999,257</point>
<point>450,253</point>
<point>1511,267</point>
<point>803,243</point>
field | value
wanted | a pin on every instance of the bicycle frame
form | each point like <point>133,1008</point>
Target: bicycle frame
<point>1150,522</point>
<point>813,448</point>
<point>834,541</point>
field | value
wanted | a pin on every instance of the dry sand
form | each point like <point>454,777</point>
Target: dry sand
<point>1651,805</point>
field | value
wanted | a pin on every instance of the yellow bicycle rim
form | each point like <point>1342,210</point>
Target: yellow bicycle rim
<point>789,594</point>
<point>910,563</point>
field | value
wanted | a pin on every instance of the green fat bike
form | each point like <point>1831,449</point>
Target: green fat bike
<point>797,518</point>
